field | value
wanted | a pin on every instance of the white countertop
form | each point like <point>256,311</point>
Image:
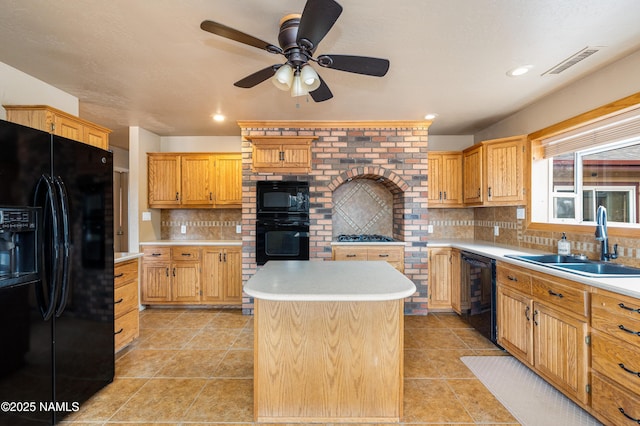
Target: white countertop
<point>123,257</point>
<point>192,243</point>
<point>299,280</point>
<point>627,286</point>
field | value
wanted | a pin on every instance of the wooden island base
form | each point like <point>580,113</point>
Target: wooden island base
<point>328,361</point>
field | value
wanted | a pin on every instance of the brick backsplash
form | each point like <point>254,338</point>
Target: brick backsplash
<point>394,157</point>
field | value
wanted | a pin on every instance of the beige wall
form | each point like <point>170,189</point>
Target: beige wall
<point>200,144</point>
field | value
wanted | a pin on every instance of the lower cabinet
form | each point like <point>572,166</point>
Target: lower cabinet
<point>126,312</point>
<point>191,275</point>
<point>542,321</point>
<point>394,254</point>
<point>444,280</point>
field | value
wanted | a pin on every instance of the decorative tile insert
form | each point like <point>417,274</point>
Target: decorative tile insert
<point>362,206</point>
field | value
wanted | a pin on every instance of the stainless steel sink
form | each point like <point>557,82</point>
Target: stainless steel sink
<point>550,258</point>
<point>599,269</point>
<point>580,266</point>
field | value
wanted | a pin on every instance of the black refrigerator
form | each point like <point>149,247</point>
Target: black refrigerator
<point>56,275</point>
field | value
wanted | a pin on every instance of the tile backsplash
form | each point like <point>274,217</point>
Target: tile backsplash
<point>362,206</point>
<point>200,224</point>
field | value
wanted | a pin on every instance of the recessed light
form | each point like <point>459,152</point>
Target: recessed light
<point>430,116</point>
<point>218,117</point>
<point>518,71</point>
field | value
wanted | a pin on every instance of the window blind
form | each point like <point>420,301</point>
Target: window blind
<point>621,127</point>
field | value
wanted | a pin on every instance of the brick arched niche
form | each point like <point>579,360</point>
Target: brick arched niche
<point>368,202</point>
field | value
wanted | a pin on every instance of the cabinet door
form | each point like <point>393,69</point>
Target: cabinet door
<point>95,137</point>
<point>296,155</point>
<point>504,171</point>
<point>472,164</point>
<point>212,291</point>
<point>164,180</point>
<point>233,275</point>
<point>185,285</point>
<point>349,253</point>
<point>514,317</point>
<point>459,299</point>
<point>561,351</point>
<point>434,181</point>
<point>451,179</point>
<point>440,274</point>
<point>197,179</point>
<point>156,283</point>
<point>266,156</point>
<point>228,180</point>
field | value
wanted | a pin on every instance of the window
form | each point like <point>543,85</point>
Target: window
<point>592,166</point>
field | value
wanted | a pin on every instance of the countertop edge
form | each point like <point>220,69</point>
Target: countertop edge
<point>625,286</point>
<point>123,257</point>
<point>291,297</point>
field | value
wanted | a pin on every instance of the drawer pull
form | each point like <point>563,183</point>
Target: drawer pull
<point>526,313</point>
<point>352,255</point>
<point>186,254</point>
<point>637,311</point>
<point>628,416</point>
<point>635,373</point>
<point>119,275</point>
<point>119,331</point>
<point>535,317</point>
<point>560,295</point>
<point>623,328</point>
<point>383,255</point>
<point>512,278</point>
<point>119,301</point>
<point>156,254</point>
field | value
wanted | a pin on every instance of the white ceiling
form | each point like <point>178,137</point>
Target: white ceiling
<point>147,62</point>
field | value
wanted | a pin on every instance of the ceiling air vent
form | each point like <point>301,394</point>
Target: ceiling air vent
<point>572,60</point>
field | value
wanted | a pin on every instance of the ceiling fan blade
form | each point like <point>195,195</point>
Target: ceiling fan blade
<point>322,93</point>
<point>257,77</point>
<point>357,64</point>
<point>239,36</point>
<point>317,19</point>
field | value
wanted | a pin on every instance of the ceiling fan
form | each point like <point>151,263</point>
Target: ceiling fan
<point>298,38</point>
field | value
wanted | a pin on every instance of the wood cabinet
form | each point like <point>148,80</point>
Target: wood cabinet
<point>126,312</point>
<point>615,363</point>
<point>445,179</point>
<point>542,320</point>
<point>222,275</point>
<point>193,275</point>
<point>494,172</point>
<point>194,180</point>
<point>282,154</point>
<point>394,254</point>
<point>60,123</point>
<point>444,280</point>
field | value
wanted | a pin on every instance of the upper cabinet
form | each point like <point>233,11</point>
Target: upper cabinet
<point>494,172</point>
<point>281,154</point>
<point>194,180</point>
<point>445,179</point>
<point>48,119</point>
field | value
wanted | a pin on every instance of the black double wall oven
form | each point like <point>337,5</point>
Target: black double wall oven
<point>282,225</point>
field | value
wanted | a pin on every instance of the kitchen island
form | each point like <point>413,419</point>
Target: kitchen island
<point>328,341</point>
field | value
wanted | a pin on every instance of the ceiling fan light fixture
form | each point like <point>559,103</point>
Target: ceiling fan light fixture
<point>310,78</point>
<point>298,88</point>
<point>283,78</point>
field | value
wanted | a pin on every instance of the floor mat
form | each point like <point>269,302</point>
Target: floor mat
<point>528,398</point>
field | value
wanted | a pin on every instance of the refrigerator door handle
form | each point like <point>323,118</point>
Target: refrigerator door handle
<point>66,243</point>
<point>46,188</point>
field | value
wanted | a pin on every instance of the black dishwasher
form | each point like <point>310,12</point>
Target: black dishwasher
<point>478,280</point>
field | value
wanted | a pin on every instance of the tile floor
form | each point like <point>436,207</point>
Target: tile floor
<point>195,367</point>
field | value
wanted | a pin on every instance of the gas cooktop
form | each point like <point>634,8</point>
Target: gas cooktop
<point>375,238</point>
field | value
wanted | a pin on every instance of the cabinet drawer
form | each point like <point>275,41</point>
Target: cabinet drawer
<point>569,298</point>
<point>126,298</point>
<point>185,253</point>
<point>126,329</point>
<point>156,253</point>
<point>125,272</point>
<point>350,253</point>
<point>389,254</point>
<point>616,316</point>
<point>515,278</point>
<point>616,360</point>
<point>609,399</point>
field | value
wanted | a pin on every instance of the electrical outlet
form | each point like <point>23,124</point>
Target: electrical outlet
<point>430,229</point>
<point>183,229</point>
<point>238,229</point>
<point>496,231</point>
<point>146,216</point>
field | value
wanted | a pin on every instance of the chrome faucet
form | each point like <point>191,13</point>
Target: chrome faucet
<point>601,235</point>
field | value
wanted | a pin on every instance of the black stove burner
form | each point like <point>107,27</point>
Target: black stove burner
<point>363,238</point>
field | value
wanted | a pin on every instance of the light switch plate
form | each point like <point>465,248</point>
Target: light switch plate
<point>146,216</point>
<point>238,229</point>
<point>496,230</point>
<point>430,229</point>
<point>520,213</point>
<point>183,229</point>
